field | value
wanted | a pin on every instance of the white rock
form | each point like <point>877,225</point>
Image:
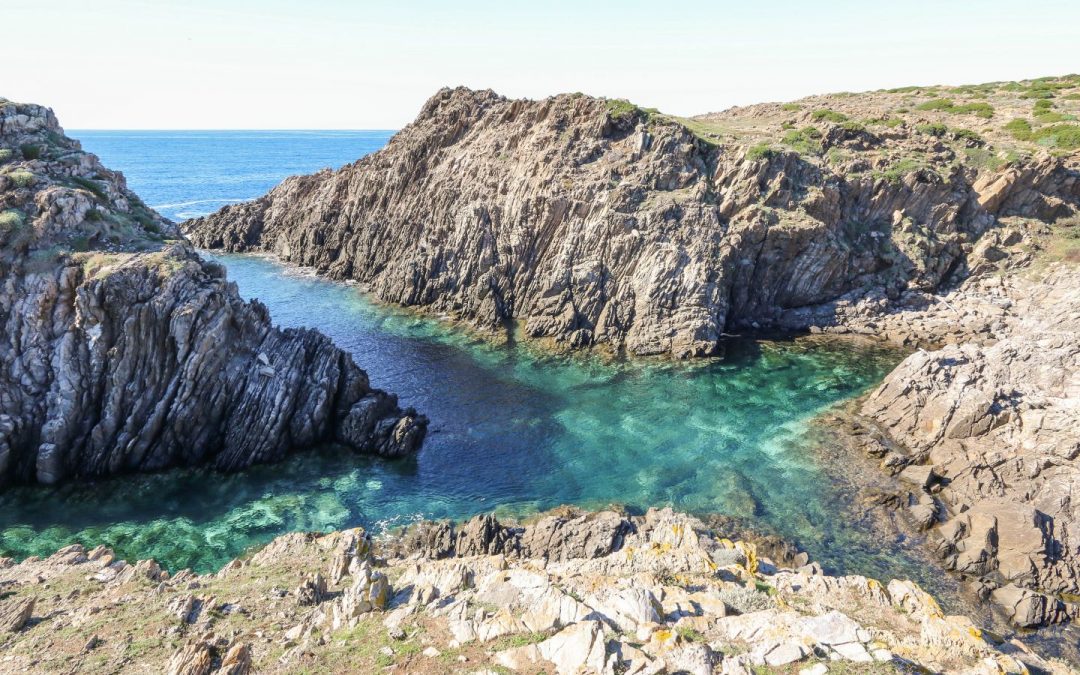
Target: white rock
<point>576,648</point>
<point>785,653</point>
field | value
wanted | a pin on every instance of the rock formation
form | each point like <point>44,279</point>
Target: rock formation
<point>594,222</point>
<point>989,433</point>
<point>121,350</point>
<point>925,216</point>
<point>658,593</point>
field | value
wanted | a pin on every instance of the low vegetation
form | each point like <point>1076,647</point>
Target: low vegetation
<point>978,108</point>
<point>619,108</point>
<point>759,151</point>
<point>90,186</point>
<point>30,151</point>
<point>828,115</point>
<point>10,220</point>
<point>805,141</point>
<point>21,178</point>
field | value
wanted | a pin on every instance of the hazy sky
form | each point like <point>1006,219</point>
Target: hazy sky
<point>336,64</point>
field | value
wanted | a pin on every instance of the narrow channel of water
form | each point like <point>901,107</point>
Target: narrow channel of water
<point>512,430</point>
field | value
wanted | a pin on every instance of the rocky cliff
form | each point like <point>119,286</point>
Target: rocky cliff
<point>594,222</point>
<point>121,350</point>
<point>923,215</point>
<point>572,593</point>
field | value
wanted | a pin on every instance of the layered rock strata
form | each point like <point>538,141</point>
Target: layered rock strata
<point>573,594</point>
<point>987,433</point>
<point>121,350</point>
<point>596,223</point>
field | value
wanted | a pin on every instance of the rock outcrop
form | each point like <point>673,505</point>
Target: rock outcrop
<point>665,596</point>
<point>121,350</point>
<point>595,223</point>
<point>990,434</point>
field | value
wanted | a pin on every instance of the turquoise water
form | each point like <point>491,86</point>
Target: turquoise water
<point>512,430</point>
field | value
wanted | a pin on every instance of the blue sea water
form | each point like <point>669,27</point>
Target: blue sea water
<point>512,429</point>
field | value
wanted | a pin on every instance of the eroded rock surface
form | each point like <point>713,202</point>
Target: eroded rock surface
<point>668,597</point>
<point>121,350</point>
<point>991,434</point>
<point>593,222</point>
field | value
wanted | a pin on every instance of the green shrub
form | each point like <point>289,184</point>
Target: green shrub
<point>892,122</point>
<point>966,135</point>
<point>1019,128</point>
<point>22,178</point>
<point>759,151</point>
<point>94,216</point>
<point>935,129</point>
<point>1062,136</point>
<point>937,104</point>
<point>806,140</point>
<point>902,168</point>
<point>619,108</point>
<point>90,186</point>
<point>1037,93</point>
<point>5,154</point>
<point>10,220</point>
<point>979,109</point>
<point>827,115</point>
<point>982,158</point>
<point>1042,104</point>
<point>790,107</point>
<point>853,126</point>
<point>1051,116</point>
<point>1071,97</point>
<point>30,151</point>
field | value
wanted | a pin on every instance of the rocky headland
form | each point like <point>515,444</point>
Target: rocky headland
<point>569,593</point>
<point>122,350</point>
<point>940,218</point>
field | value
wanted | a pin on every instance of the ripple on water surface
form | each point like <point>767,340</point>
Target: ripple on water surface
<point>512,430</point>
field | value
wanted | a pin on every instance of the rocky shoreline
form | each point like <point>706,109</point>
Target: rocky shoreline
<point>122,350</point>
<point>592,223</point>
<point>570,592</point>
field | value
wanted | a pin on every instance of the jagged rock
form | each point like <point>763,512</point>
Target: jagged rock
<point>121,350</point>
<point>577,648</point>
<point>311,591</point>
<point>578,615</point>
<point>997,428</point>
<point>351,552</point>
<point>1028,609</point>
<point>14,614</point>
<point>578,536</point>
<point>237,661</point>
<point>194,658</point>
<point>558,215</point>
<point>370,591</point>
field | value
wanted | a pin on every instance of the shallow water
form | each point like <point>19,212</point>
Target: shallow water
<point>512,430</point>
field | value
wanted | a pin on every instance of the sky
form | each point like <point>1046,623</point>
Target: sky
<point>335,64</point>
